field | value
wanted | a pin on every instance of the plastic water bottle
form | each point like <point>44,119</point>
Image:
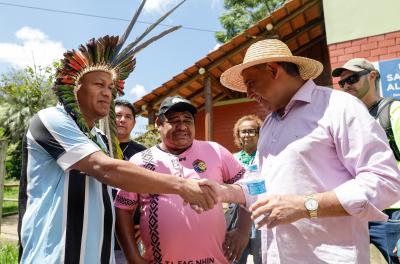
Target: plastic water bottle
<point>256,186</point>
<point>255,183</point>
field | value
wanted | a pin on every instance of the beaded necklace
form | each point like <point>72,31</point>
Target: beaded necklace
<point>247,159</point>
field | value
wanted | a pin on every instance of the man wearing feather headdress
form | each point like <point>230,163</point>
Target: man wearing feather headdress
<point>65,201</point>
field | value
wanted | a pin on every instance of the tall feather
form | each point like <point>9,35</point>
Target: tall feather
<point>128,30</point>
<point>147,31</point>
<point>151,40</point>
<point>103,54</point>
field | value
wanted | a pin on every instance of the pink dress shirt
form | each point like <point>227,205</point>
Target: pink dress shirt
<point>326,140</point>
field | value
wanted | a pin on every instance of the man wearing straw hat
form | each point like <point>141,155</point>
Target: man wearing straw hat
<point>326,162</point>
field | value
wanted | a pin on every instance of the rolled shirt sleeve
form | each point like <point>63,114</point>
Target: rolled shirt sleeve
<point>354,200</point>
<point>362,147</point>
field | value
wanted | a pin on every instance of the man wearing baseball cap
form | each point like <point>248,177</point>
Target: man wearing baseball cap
<point>326,162</point>
<point>360,78</point>
<point>171,232</point>
<point>176,104</point>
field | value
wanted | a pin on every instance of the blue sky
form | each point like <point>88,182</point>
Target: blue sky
<point>28,35</point>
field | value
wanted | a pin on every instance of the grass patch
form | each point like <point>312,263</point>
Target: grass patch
<point>9,206</point>
<point>8,253</point>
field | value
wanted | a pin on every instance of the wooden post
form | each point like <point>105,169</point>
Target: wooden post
<point>151,115</point>
<point>208,109</point>
<point>3,151</point>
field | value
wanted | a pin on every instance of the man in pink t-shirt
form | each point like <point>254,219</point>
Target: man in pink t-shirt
<point>170,230</point>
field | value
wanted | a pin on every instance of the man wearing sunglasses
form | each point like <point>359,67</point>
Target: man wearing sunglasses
<point>360,78</point>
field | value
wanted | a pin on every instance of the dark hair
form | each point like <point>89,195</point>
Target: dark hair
<point>161,118</point>
<point>291,68</point>
<point>121,102</point>
<point>251,117</point>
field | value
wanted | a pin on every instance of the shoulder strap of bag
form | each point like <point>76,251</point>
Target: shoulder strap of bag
<point>383,116</point>
<point>383,112</point>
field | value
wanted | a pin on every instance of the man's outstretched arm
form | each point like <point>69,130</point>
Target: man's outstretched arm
<point>130,177</point>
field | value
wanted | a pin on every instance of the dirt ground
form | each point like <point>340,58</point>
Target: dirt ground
<point>9,229</point>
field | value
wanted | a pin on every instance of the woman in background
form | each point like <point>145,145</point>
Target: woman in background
<point>245,133</point>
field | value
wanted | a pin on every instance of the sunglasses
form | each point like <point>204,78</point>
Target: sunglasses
<point>352,79</point>
<point>248,132</point>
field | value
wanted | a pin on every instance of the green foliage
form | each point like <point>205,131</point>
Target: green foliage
<point>241,14</point>
<point>8,253</point>
<point>14,160</point>
<point>150,138</point>
<point>22,93</point>
<point>10,206</point>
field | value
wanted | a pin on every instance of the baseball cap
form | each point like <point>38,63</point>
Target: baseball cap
<point>354,65</point>
<point>177,104</point>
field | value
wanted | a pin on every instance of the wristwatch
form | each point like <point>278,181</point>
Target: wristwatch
<point>311,205</point>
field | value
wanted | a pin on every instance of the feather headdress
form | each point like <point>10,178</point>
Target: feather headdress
<point>103,54</point>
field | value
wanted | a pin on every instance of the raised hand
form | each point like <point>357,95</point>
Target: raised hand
<point>278,209</point>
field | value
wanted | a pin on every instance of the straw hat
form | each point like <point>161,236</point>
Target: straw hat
<point>269,50</point>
